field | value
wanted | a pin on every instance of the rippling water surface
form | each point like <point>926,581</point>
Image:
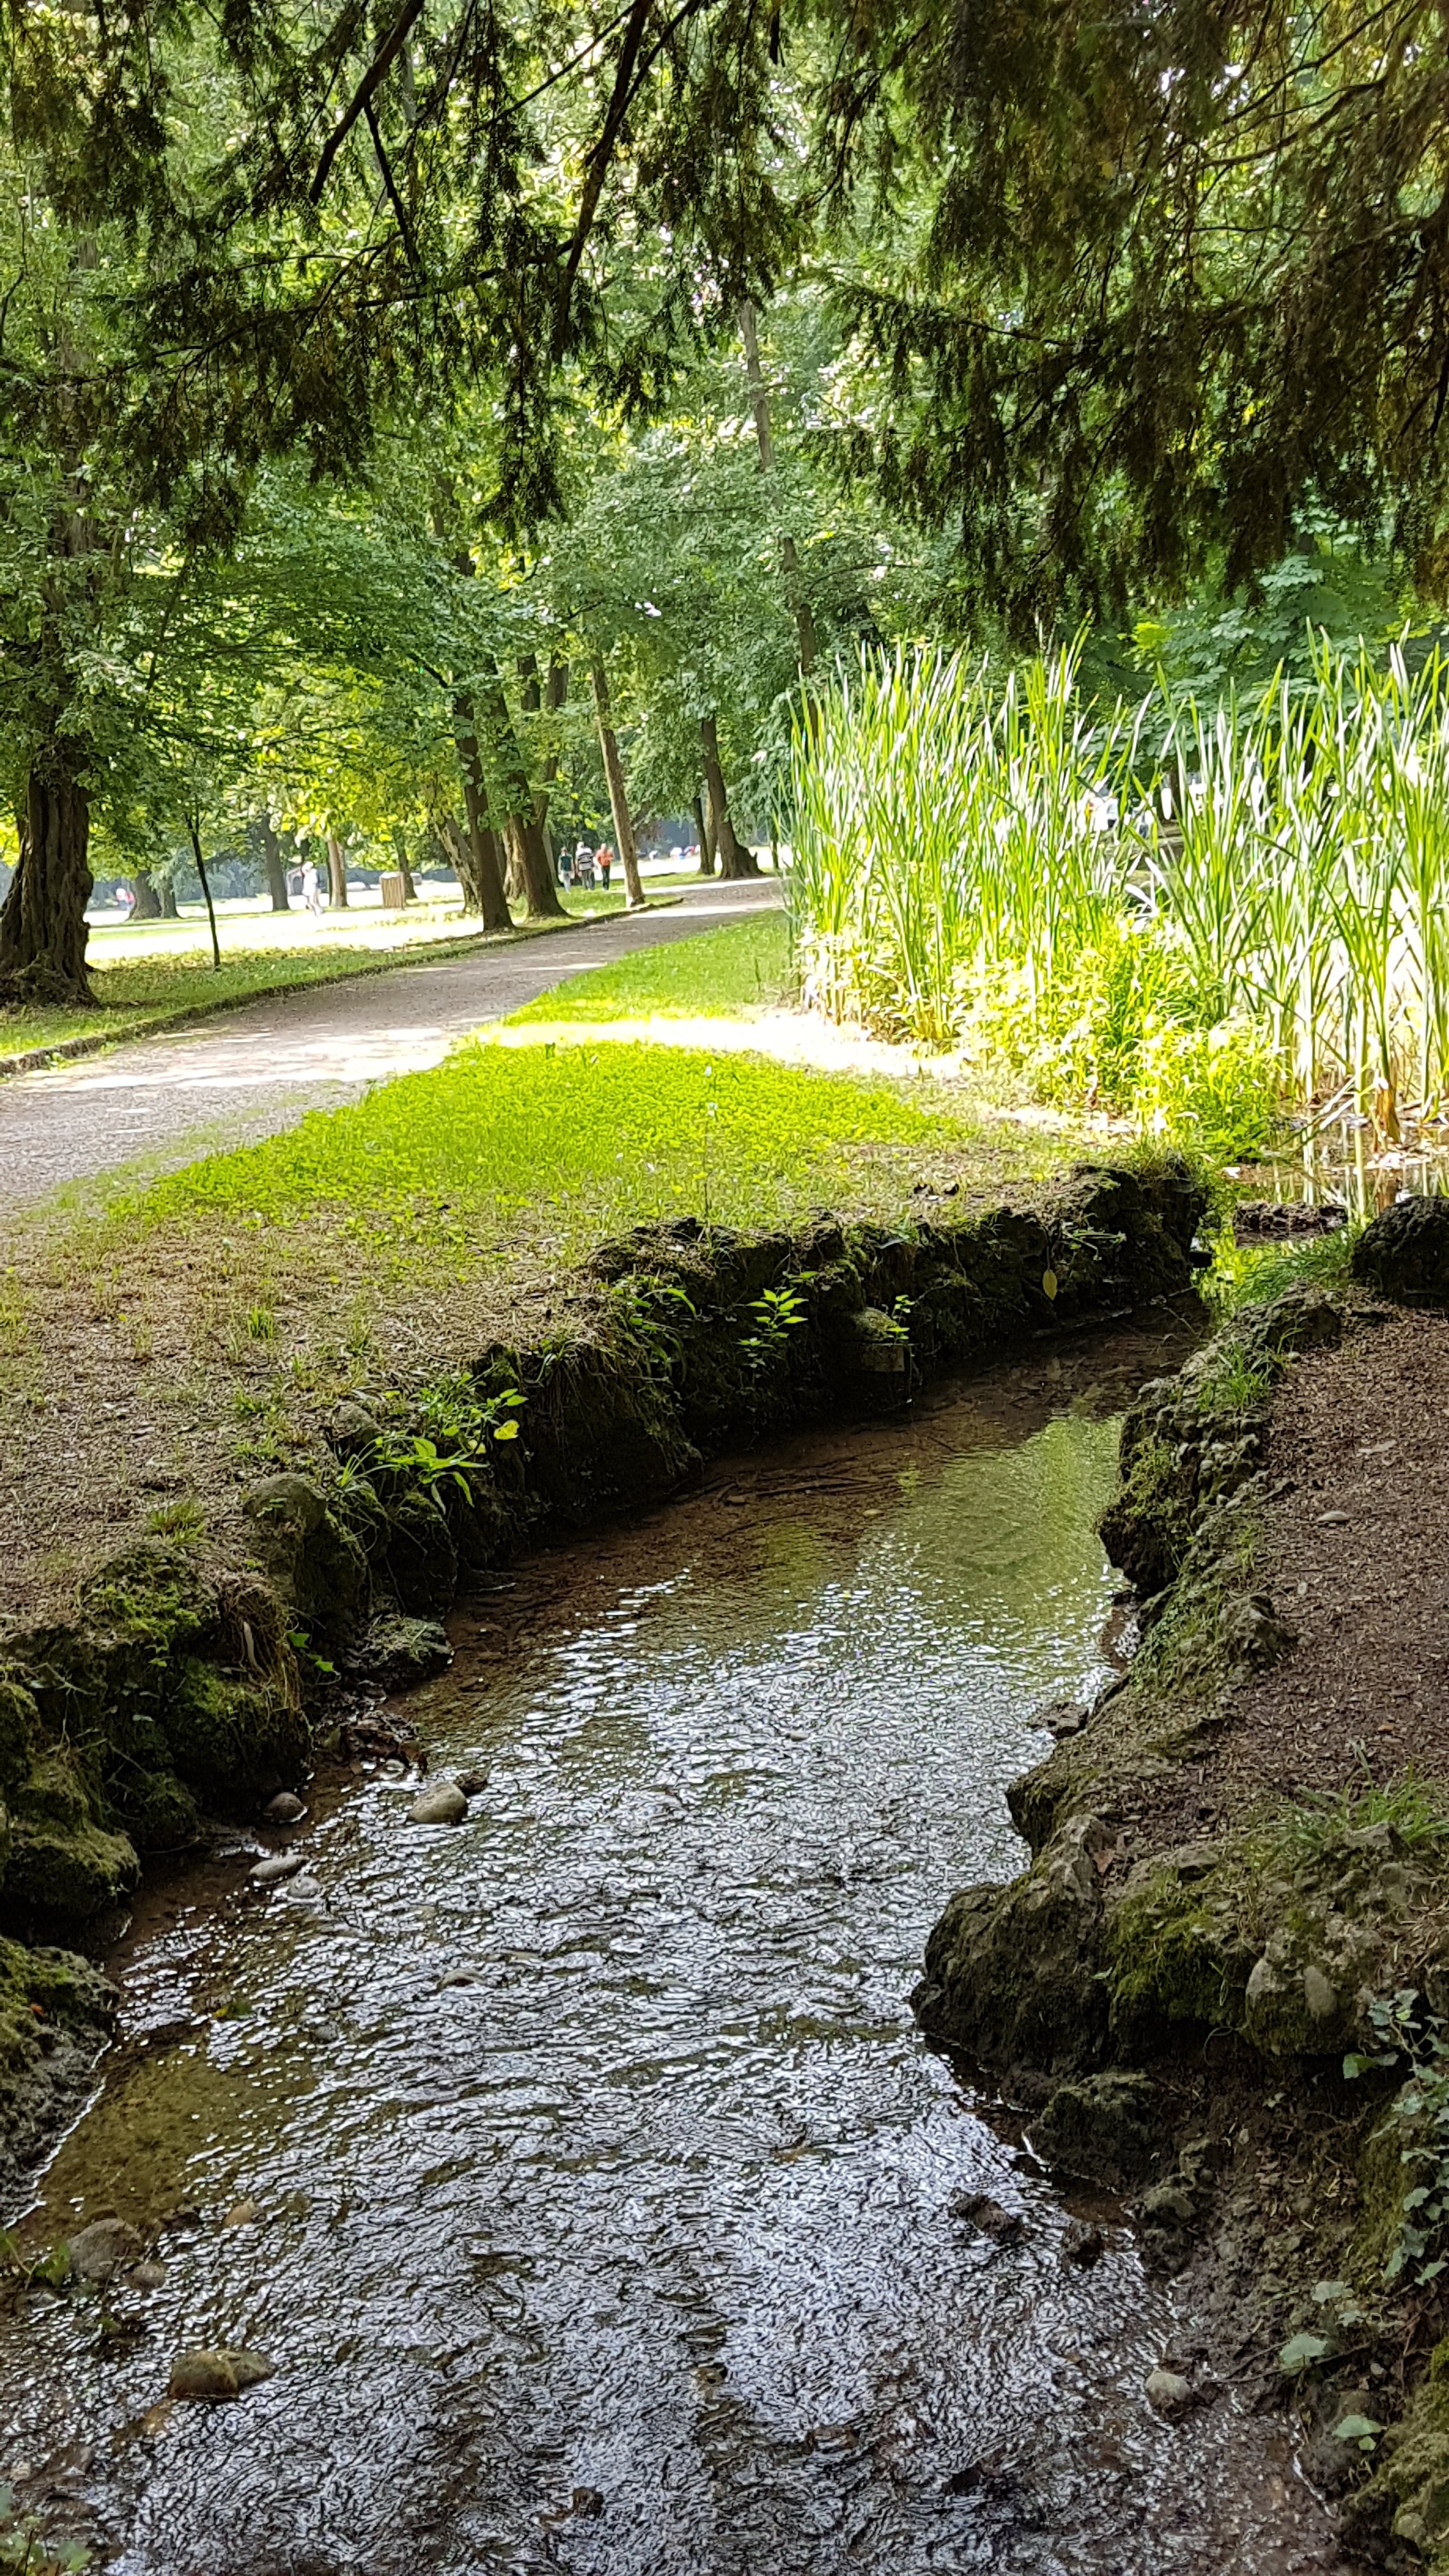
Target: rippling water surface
<point>601,2182</point>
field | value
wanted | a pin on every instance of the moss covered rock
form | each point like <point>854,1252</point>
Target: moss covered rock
<point>55,2010</point>
<point>1404,1253</point>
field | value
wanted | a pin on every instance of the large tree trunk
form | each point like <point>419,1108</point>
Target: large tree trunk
<point>735,858</point>
<point>148,901</point>
<point>618,793</point>
<point>336,874</point>
<point>805,644</point>
<point>521,824</point>
<point>43,918</point>
<point>515,874</point>
<point>481,874</point>
<point>276,872</point>
<point>706,838</point>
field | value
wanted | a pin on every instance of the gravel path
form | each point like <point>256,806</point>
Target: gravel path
<point>245,1073</point>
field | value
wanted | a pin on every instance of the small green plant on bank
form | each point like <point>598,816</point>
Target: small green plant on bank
<point>777,1313</point>
<point>184,1519</point>
<point>1315,1826</point>
<point>652,1314</point>
<point>299,1639</point>
<point>1411,2037</point>
<point>459,1421</point>
<point>1235,1384</point>
<point>24,2547</point>
<point>1254,1274</point>
<point>261,1324</point>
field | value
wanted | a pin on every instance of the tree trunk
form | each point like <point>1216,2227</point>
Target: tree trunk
<point>618,793</point>
<point>482,872</point>
<point>43,918</point>
<point>148,901</point>
<point>170,909</point>
<point>336,874</point>
<point>805,644</point>
<point>548,701</point>
<point>706,840</point>
<point>515,875</point>
<point>525,834</point>
<point>735,859</point>
<point>205,891</point>
<point>404,866</point>
<point>276,872</point>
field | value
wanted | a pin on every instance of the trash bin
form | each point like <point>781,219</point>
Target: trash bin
<point>394,892</point>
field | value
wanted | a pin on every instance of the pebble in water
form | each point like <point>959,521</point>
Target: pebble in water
<point>441,1803</point>
<point>1168,2392</point>
<point>284,1809</point>
<point>104,2248</point>
<point>277,1866</point>
<point>216,2373</point>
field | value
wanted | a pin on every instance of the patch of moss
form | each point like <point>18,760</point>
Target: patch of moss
<point>1411,2480</point>
<point>1174,1955</point>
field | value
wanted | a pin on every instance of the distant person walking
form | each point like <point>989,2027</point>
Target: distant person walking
<point>311,890</point>
<point>606,861</point>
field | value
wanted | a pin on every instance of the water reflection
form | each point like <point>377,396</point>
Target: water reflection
<point>602,2185</point>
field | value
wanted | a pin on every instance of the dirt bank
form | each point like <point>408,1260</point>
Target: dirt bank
<point>1224,1980</point>
<point>194,1677</point>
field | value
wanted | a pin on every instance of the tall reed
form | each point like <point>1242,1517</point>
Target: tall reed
<point>1286,862</point>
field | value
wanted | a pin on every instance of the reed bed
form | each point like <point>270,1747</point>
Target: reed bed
<point>1203,916</point>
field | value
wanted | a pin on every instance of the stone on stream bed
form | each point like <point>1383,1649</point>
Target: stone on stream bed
<point>104,2248</point>
<point>277,1866</point>
<point>441,1803</point>
<point>219,2372</point>
<point>284,1809</point>
<point>1168,2393</point>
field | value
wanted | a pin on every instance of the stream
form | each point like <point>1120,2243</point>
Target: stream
<point>579,2168</point>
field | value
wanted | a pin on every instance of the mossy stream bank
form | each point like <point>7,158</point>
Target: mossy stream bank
<point>1219,1990</point>
<point>186,1684</point>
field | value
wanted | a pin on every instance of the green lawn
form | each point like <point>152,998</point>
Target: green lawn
<point>460,1153</point>
<point>731,971</point>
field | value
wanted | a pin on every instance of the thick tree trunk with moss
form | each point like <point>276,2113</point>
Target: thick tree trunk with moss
<point>736,859</point>
<point>618,792</point>
<point>43,919</point>
<point>272,859</point>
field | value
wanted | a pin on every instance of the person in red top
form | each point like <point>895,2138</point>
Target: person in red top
<point>606,861</point>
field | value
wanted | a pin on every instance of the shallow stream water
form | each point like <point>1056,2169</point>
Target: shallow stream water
<point>580,2168</point>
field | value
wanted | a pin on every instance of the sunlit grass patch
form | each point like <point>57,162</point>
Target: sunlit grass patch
<point>742,967</point>
<point>630,1129</point>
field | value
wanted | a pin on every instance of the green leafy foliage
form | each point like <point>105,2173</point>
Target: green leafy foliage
<point>1412,2040</point>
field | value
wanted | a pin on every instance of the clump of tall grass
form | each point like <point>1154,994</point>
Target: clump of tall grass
<point>1195,915</point>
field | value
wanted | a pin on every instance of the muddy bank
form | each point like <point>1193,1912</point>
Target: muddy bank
<point>186,1684</point>
<point>1223,1982</point>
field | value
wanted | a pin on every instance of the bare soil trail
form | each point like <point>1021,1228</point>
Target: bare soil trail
<point>248,1072</point>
